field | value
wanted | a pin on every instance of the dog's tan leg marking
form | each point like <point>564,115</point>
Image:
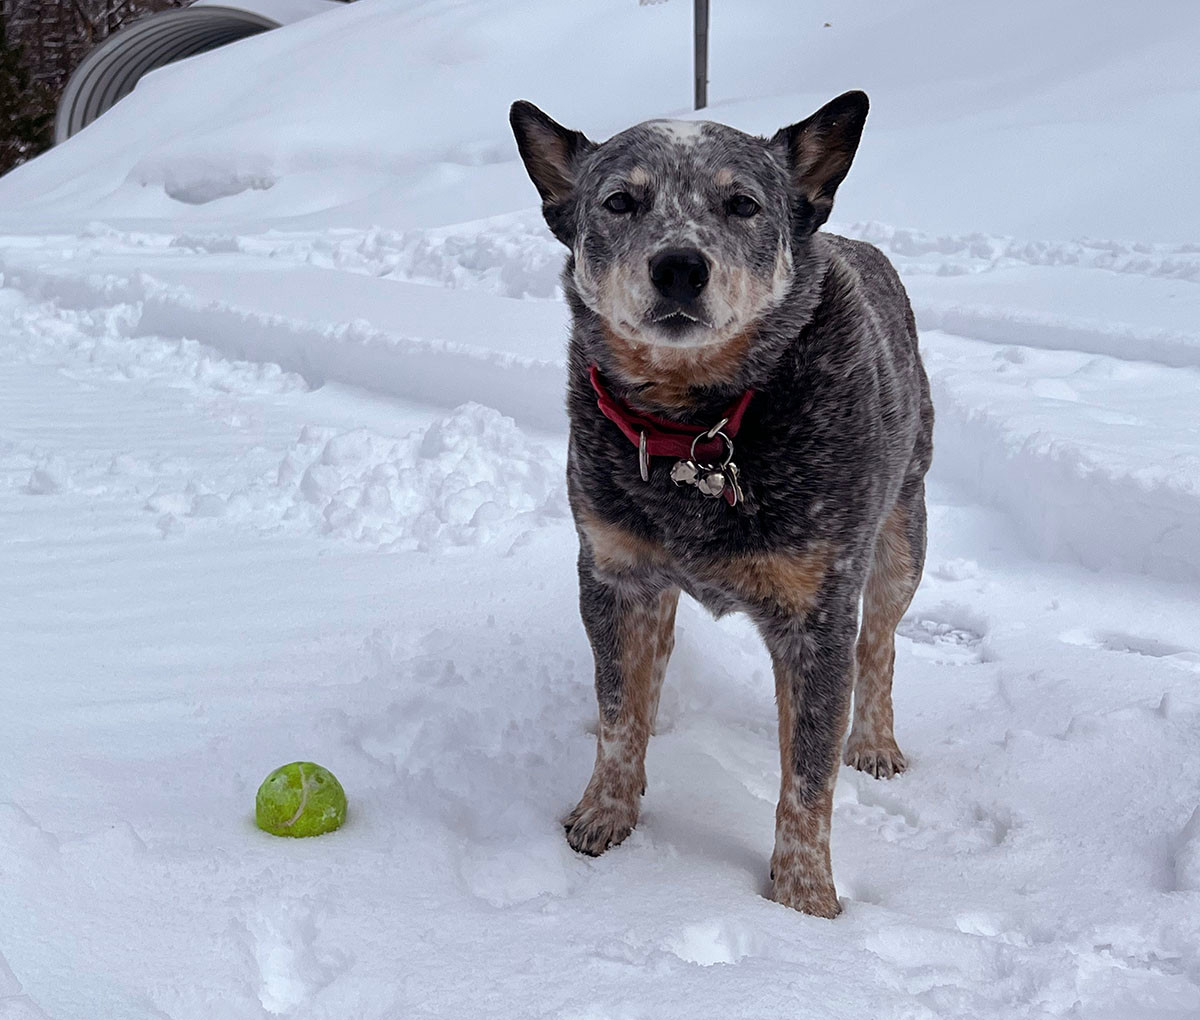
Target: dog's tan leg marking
<point>608,810</point>
<point>891,583</point>
<point>615,550</point>
<point>801,873</point>
<point>664,645</point>
<point>785,581</point>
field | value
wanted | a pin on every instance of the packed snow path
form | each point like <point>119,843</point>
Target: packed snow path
<point>213,566</point>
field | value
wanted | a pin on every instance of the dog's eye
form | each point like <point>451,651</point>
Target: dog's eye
<point>620,203</point>
<point>742,205</point>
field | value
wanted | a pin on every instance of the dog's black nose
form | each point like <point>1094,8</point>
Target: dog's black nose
<point>679,274</point>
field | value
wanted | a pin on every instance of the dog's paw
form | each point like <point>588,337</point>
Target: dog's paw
<point>806,893</point>
<point>598,823</point>
<point>881,759</point>
<point>801,878</point>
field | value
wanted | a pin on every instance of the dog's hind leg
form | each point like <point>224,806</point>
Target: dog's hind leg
<point>632,635</point>
<point>895,573</point>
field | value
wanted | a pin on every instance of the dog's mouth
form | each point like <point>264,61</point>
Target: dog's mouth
<point>679,320</point>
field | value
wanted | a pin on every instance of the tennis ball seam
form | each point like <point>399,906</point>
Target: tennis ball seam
<point>304,787</point>
<point>317,799</point>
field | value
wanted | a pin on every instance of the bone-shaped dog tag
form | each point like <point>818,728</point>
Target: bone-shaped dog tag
<point>735,483</point>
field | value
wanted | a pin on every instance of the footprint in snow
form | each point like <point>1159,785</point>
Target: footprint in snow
<point>967,972</point>
<point>968,825</point>
<point>956,570</point>
<point>713,942</point>
<point>292,967</point>
<point>951,635</point>
<point>1135,644</point>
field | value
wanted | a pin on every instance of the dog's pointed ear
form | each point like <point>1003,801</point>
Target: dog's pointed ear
<point>549,150</point>
<point>820,149</point>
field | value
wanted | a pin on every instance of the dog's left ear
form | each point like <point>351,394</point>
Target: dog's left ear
<point>550,152</point>
<point>819,150</point>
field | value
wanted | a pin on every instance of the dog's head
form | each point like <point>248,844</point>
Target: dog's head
<point>685,233</point>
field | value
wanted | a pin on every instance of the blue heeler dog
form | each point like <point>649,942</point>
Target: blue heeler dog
<point>751,424</point>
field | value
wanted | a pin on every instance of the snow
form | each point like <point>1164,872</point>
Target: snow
<point>281,477</point>
<point>1006,118</point>
<point>284,12</point>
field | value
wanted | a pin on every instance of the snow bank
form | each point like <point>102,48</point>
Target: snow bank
<point>468,478</point>
<point>441,372</point>
<point>1096,460</point>
<point>1054,437</point>
<point>511,255</point>
<point>394,113</point>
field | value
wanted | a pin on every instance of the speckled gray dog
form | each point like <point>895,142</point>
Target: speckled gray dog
<point>697,273</point>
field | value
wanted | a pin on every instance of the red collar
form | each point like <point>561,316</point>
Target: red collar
<point>667,438</point>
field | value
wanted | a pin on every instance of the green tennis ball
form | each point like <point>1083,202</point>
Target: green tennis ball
<point>300,799</point>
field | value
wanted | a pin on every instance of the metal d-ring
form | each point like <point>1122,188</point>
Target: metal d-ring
<point>643,458</point>
<point>714,433</point>
<point>716,428</point>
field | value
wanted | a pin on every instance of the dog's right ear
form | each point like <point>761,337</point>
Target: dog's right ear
<point>819,152</point>
<point>551,154</point>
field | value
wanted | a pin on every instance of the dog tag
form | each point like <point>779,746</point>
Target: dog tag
<point>684,472</point>
<point>713,480</point>
<point>712,483</point>
<point>735,483</point>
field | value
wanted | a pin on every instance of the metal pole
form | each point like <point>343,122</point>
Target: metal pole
<point>701,61</point>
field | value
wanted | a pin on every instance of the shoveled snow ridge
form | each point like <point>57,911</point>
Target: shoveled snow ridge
<point>1047,472</point>
<point>512,256</point>
<point>975,252</point>
<point>1073,447</point>
<point>439,372</point>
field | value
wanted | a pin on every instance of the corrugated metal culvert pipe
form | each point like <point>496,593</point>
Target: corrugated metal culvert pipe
<point>113,68</point>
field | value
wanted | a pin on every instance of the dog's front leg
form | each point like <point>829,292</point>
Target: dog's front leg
<point>632,632</point>
<point>814,675</point>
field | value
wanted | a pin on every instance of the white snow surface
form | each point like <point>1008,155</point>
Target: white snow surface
<point>282,355</point>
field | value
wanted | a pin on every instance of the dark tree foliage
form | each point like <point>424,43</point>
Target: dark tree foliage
<point>26,108</point>
<point>41,43</point>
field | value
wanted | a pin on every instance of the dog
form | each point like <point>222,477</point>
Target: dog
<point>750,423</point>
